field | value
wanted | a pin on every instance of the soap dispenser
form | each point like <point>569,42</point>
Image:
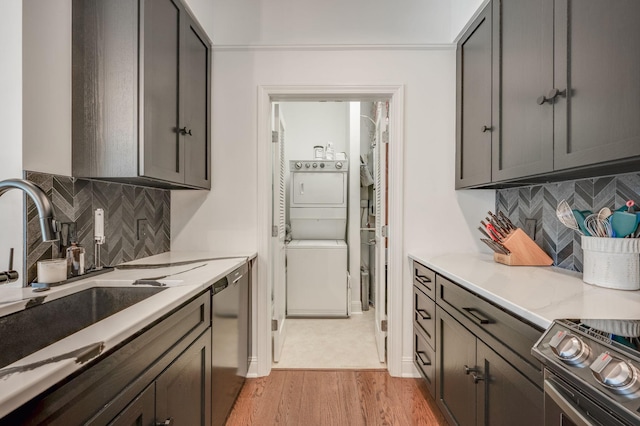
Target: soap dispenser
<point>75,260</point>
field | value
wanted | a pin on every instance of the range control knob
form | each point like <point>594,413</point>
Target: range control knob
<point>322,165</point>
<point>315,165</point>
<point>569,348</point>
<point>298,165</point>
<point>338,165</point>
<point>614,372</point>
<point>307,165</point>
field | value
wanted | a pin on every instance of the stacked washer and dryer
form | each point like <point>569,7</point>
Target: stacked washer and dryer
<point>317,275</point>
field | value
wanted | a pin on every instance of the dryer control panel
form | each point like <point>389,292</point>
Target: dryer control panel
<point>319,165</point>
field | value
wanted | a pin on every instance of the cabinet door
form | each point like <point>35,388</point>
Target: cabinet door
<point>196,95</point>
<point>474,121</point>
<point>505,396</point>
<point>455,389</point>
<point>597,61</point>
<point>523,71</point>
<point>183,390</point>
<point>141,412</point>
<point>161,144</point>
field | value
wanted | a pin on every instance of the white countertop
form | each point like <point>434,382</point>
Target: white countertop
<point>19,387</point>
<point>538,294</point>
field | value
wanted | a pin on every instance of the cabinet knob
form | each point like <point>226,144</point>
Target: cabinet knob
<point>168,422</point>
<point>184,131</point>
<point>486,129</point>
<point>468,370</point>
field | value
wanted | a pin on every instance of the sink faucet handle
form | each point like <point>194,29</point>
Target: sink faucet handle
<point>9,275</point>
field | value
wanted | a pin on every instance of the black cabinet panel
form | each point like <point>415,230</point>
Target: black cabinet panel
<point>506,397</point>
<point>456,391</point>
<point>474,94</point>
<point>597,61</point>
<point>523,71</point>
<point>163,148</point>
<point>197,107</point>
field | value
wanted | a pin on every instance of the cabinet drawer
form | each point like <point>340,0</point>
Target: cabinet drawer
<point>424,359</point>
<point>483,317</point>
<point>424,315</point>
<point>425,279</point>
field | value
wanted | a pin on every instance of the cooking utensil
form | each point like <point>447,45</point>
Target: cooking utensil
<point>597,226</point>
<point>566,217</point>
<point>580,215</point>
<point>507,221</point>
<point>630,205</point>
<point>623,223</point>
<point>604,213</point>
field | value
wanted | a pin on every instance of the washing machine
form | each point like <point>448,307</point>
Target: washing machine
<point>317,278</point>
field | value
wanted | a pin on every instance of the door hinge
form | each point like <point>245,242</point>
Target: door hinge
<point>385,136</point>
<point>274,136</point>
<point>383,325</point>
<point>274,325</point>
<point>385,231</point>
<point>274,231</point>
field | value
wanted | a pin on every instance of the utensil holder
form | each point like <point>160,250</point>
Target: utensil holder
<point>524,251</point>
<point>611,262</point>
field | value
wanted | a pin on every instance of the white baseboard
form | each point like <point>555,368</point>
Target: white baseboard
<point>356,307</point>
<point>252,372</point>
<point>409,369</point>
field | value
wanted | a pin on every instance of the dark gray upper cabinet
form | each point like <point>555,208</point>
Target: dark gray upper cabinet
<point>141,93</point>
<point>523,70</point>
<point>565,93</point>
<point>474,125</point>
<point>597,63</point>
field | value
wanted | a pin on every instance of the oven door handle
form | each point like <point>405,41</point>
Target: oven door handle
<point>567,407</point>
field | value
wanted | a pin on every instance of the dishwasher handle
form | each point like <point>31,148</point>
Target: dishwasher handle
<point>220,285</point>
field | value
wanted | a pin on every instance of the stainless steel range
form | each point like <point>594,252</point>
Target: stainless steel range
<point>592,372</point>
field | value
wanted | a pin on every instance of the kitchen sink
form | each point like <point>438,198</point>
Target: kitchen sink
<point>27,331</point>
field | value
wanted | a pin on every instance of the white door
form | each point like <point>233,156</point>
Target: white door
<point>380,279</point>
<point>279,293</point>
<point>318,189</point>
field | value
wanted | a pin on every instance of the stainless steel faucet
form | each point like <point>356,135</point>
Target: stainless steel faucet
<point>45,209</point>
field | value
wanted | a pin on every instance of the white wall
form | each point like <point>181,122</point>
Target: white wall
<point>314,123</point>
<point>11,221</point>
<point>461,12</point>
<point>309,22</point>
<point>47,86</point>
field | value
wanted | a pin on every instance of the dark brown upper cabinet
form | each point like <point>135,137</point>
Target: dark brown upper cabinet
<point>141,94</point>
<point>522,70</point>
<point>565,93</point>
<point>597,76</point>
<point>474,124</point>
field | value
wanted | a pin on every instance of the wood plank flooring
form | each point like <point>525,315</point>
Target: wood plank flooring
<point>335,398</point>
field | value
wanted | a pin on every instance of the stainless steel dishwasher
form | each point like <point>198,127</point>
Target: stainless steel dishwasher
<point>231,345</point>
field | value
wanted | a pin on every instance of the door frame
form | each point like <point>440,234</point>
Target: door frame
<point>274,93</point>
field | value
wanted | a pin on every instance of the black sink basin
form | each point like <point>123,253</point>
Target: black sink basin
<point>36,327</point>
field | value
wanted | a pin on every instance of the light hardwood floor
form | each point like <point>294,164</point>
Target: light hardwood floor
<point>334,398</point>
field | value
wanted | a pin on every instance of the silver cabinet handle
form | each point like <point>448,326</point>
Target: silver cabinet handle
<point>168,422</point>
<point>424,314</point>
<point>302,188</point>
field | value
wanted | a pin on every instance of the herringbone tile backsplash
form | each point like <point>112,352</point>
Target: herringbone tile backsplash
<point>539,202</point>
<point>74,200</point>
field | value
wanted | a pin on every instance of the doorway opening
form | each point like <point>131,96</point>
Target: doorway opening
<point>328,217</point>
<point>375,114</point>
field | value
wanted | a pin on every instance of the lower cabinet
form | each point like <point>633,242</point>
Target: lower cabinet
<point>474,356</point>
<point>160,376</point>
<point>476,386</point>
<point>179,396</point>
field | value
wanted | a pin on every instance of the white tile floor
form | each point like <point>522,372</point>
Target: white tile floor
<point>329,343</point>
